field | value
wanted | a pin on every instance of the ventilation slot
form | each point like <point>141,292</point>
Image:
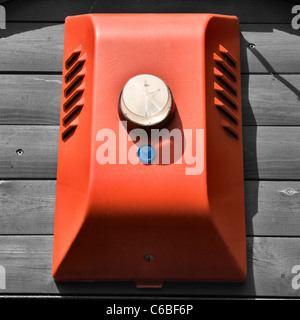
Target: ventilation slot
<point>226,71</point>
<point>68,133</point>
<point>74,83</point>
<point>74,56</point>
<point>228,115</point>
<point>224,82</point>
<point>73,100</point>
<point>224,97</point>
<point>225,86</point>
<point>226,111</point>
<point>228,57</point>
<point>74,71</point>
<point>72,59</point>
<point>72,115</point>
<point>230,129</point>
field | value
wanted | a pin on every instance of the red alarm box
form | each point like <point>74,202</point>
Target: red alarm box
<point>150,183</point>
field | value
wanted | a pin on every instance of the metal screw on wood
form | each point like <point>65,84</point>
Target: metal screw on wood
<point>252,45</point>
<point>289,191</point>
<point>149,257</point>
<point>20,152</point>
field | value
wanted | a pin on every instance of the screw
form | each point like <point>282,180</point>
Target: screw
<point>289,191</point>
<point>149,257</point>
<point>20,152</point>
<point>252,45</point>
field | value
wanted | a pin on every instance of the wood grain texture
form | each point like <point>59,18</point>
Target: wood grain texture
<point>275,50</point>
<point>30,99</point>
<point>31,47</point>
<point>28,260</point>
<point>38,47</point>
<point>27,207</point>
<point>35,99</point>
<point>247,11</point>
<point>271,100</point>
<point>39,145</point>
<point>270,153</point>
<point>272,207</point>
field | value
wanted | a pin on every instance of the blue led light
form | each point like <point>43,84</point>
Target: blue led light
<point>146,154</point>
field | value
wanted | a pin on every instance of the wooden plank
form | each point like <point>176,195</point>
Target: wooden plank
<point>271,100</point>
<point>27,261</point>
<point>30,99</point>
<point>27,207</point>
<point>28,151</point>
<point>248,11</point>
<point>270,153</point>
<point>276,48</point>
<point>31,47</point>
<point>272,207</point>
<point>35,99</point>
<point>37,47</point>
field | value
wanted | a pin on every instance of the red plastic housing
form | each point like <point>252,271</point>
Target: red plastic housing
<point>108,217</point>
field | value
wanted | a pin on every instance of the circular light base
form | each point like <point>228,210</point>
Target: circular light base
<point>146,101</point>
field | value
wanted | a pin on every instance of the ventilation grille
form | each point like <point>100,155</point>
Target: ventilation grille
<point>225,86</point>
<point>74,86</point>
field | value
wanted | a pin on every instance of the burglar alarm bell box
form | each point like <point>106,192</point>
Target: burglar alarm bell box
<point>150,181</point>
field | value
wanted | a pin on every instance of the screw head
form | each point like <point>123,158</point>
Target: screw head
<point>20,152</point>
<point>149,257</point>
